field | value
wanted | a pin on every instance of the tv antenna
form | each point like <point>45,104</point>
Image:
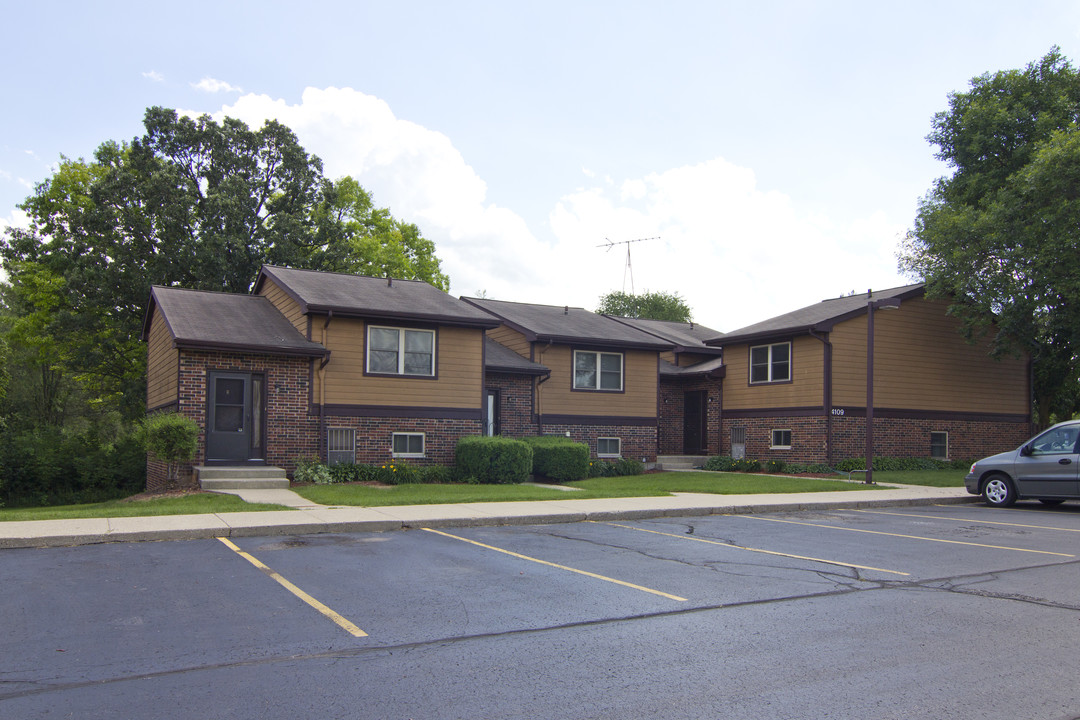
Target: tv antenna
<point>629,268</point>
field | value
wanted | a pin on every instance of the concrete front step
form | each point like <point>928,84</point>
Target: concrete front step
<point>262,477</point>
<point>680,462</point>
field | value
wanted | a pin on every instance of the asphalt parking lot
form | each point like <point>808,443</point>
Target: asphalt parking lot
<point>926,612</point>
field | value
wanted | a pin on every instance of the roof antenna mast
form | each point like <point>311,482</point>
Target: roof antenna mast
<point>629,268</point>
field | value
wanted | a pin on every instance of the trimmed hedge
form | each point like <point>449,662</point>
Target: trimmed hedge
<point>559,458</point>
<point>494,459</point>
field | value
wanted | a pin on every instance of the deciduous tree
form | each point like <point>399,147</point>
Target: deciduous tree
<point>648,305</point>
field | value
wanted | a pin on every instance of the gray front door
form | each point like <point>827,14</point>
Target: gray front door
<point>235,418</point>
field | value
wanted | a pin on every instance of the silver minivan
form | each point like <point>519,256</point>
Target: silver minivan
<point>1044,468</point>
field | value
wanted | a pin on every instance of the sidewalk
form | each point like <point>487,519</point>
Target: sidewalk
<point>309,518</point>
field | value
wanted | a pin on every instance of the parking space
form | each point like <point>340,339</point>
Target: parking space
<point>84,616</point>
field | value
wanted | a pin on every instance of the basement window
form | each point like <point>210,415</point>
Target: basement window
<point>781,440</point>
<point>608,447</point>
<point>939,445</point>
<point>340,446</point>
<point>406,445</point>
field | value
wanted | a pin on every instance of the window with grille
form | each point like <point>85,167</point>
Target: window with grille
<point>340,445</point>
<point>598,370</point>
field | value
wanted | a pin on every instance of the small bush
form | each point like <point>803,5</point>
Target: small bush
<point>310,470</point>
<point>813,468</point>
<point>171,438</point>
<point>559,458</point>
<point>629,466</point>
<point>775,466</point>
<point>493,459</point>
<point>720,463</point>
<point>894,463</point>
<point>747,465</point>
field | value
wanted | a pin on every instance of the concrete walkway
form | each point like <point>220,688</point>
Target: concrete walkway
<point>309,518</point>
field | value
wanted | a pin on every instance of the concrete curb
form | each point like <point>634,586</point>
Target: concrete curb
<point>69,533</point>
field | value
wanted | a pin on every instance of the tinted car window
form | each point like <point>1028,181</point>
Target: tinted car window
<point>1056,441</point>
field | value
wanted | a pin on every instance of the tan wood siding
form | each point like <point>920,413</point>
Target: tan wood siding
<point>285,305</point>
<point>162,364</point>
<point>805,390</point>
<point>459,363</point>
<point>511,339</point>
<point>556,396</point>
<point>922,362</point>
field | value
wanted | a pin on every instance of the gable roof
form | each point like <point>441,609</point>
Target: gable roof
<point>567,325</point>
<point>820,317</point>
<point>202,320</point>
<point>499,358</point>
<point>713,368</point>
<point>369,297</point>
<point>684,336</point>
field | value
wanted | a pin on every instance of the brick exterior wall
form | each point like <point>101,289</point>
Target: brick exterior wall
<point>636,441</point>
<point>673,413</point>
<point>893,437</point>
<point>515,403</point>
<point>374,437</point>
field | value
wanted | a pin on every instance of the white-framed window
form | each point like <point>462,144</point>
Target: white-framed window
<point>340,445</point>
<point>400,351</point>
<point>939,445</point>
<point>595,370</point>
<point>406,444</point>
<point>770,363</point>
<point>781,440</point>
<point>608,447</point>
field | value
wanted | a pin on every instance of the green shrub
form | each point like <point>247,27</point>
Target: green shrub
<point>46,466</point>
<point>310,470</point>
<point>493,459</point>
<point>720,463</point>
<point>775,466</point>
<point>628,466</point>
<point>171,438</point>
<point>815,468</point>
<point>894,463</point>
<point>559,458</point>
<point>747,465</point>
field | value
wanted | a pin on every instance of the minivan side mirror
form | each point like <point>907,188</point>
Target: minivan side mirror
<point>1026,450</point>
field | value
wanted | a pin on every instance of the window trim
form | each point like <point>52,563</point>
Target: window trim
<point>771,380</point>
<point>598,354</point>
<point>772,439</point>
<point>402,330</point>
<point>423,444</point>
<point>939,432</point>
<point>618,452</point>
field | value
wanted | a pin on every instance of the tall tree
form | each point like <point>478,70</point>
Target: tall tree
<point>192,203</point>
<point>648,305</point>
<point>1000,237</point>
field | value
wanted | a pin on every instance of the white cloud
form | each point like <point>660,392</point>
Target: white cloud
<point>17,218</point>
<point>737,253</point>
<point>211,85</point>
<point>154,75</point>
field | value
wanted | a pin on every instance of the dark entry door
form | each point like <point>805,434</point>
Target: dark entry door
<point>695,417</point>
<point>235,418</point>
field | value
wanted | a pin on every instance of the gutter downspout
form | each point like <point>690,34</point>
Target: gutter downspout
<point>322,390</point>
<point>539,395</point>
<point>826,400</point>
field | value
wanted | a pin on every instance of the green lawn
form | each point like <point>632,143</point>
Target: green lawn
<point>934,478</point>
<point>649,485</point>
<point>196,504</point>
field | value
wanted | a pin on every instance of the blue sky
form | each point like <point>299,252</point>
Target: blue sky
<point>777,149</point>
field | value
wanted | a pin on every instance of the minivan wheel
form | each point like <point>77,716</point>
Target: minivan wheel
<point>998,491</point>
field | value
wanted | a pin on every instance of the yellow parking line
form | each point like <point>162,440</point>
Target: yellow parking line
<point>909,537</point>
<point>560,567</point>
<point>757,550</point>
<point>970,520</point>
<point>337,619</point>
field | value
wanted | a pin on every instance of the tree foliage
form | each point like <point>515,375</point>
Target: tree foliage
<point>647,305</point>
<point>1000,236</point>
<point>192,203</point>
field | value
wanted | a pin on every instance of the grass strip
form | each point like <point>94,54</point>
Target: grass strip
<point>195,504</point>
